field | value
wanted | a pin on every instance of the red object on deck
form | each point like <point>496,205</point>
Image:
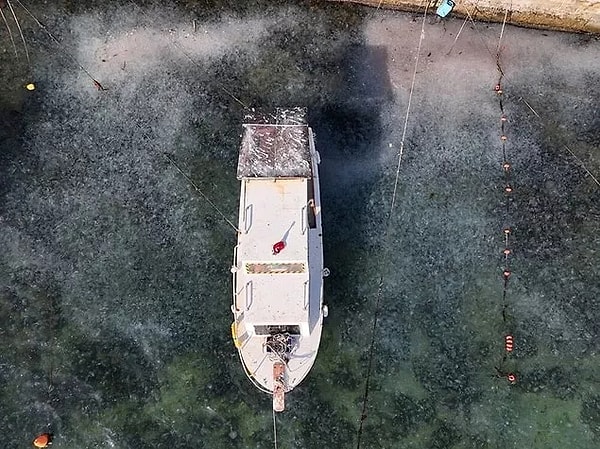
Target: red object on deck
<point>277,247</point>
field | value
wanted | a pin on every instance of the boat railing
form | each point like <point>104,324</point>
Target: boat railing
<point>304,215</point>
<point>249,298</point>
<point>234,270</point>
<point>313,149</point>
<point>248,218</point>
<point>306,294</point>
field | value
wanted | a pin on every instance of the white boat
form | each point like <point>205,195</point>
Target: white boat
<point>278,260</point>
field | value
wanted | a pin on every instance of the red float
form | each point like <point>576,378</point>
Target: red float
<point>509,343</point>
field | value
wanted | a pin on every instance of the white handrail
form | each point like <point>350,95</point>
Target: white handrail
<point>248,288</point>
<point>306,294</point>
<point>234,268</point>
<point>304,217</point>
<point>248,218</point>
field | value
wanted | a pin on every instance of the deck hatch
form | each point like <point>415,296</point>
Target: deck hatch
<point>275,268</point>
<point>291,329</point>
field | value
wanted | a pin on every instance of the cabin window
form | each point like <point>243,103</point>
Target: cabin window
<point>291,329</point>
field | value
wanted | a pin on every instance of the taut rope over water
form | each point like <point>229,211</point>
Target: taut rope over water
<point>274,430</point>
<point>61,47</point>
<point>197,189</point>
<point>379,295</point>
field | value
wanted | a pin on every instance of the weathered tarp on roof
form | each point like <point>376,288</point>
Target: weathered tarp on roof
<point>275,145</point>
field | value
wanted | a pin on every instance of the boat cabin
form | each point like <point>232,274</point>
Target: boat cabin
<point>278,210</point>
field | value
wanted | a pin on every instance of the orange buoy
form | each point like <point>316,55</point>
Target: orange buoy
<point>508,189</point>
<point>506,274</point>
<point>506,252</point>
<point>278,247</point>
<point>507,231</point>
<point>511,378</point>
<point>503,138</point>
<point>509,343</point>
<point>43,440</point>
<point>506,166</point>
<point>503,118</point>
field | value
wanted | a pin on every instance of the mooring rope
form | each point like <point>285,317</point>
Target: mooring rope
<point>20,31</point>
<point>221,86</point>
<point>10,35</point>
<point>274,429</point>
<point>206,198</point>
<point>410,95</point>
<point>60,46</point>
<point>582,164</point>
<point>379,295</point>
<point>502,32</point>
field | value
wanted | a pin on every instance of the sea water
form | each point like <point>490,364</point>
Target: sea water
<point>115,288</point>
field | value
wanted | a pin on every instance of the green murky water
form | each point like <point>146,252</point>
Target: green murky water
<point>114,273</point>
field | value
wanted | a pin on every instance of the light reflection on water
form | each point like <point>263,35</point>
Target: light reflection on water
<point>115,282</point>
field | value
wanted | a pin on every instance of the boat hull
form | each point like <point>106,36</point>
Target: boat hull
<point>278,260</point>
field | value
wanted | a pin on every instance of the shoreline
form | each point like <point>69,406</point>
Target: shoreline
<point>578,16</point>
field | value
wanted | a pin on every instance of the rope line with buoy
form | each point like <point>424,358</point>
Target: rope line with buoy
<point>509,343</point>
<point>543,120</point>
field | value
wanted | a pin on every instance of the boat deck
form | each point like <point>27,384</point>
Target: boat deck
<point>275,286</point>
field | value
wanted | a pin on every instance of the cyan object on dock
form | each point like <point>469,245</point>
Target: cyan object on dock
<point>445,8</point>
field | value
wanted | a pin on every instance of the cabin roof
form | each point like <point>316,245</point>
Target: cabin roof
<point>275,146</point>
